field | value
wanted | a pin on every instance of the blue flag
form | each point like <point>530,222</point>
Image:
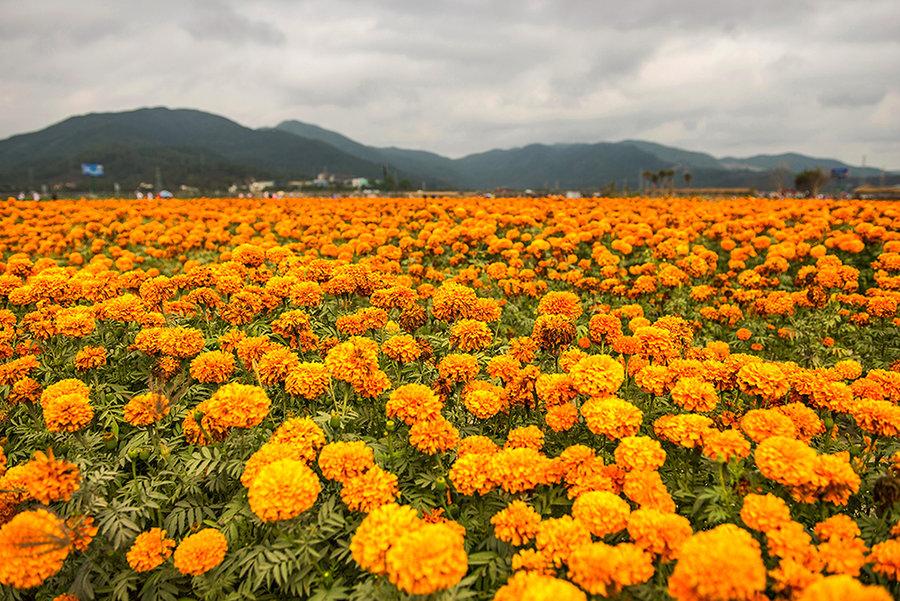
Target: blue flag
<point>91,169</point>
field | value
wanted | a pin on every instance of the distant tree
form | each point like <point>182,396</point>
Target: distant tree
<point>810,181</point>
<point>687,179</point>
<point>780,175</point>
<point>654,177</point>
<point>648,175</point>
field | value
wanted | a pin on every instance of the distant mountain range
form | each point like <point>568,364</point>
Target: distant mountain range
<point>177,147</point>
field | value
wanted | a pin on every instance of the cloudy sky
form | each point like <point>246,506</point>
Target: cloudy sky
<point>732,78</point>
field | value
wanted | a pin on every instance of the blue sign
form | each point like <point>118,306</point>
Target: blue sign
<point>91,169</point>
<point>840,173</point>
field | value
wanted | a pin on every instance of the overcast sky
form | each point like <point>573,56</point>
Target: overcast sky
<point>728,77</point>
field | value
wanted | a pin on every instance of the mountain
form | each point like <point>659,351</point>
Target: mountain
<point>210,152</point>
<point>204,142</point>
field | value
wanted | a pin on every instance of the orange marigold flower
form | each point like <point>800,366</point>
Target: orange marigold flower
<point>695,394</point>
<point>597,375</point>
<point>523,349</point>
<point>639,453</point>
<point>237,406</point>
<point>90,357</point>
<point>81,530</point>
<point>200,552</point>
<point>534,586</point>
<point>886,557</point>
<point>344,460</point>
<point>458,367</point>
<point>302,432</point>
<point>274,451</point>
<point>602,512</point>
<point>561,417</point>
<point>760,424</point>
<point>484,400</point>
<point>558,537</point>
<point>555,389</point>
<point>25,390</point>
<point>469,335</point>
<point>553,331</point>
<point>434,435</point>
<point>427,559</point>
<point>48,479</point>
<point>806,422</point>
<point>504,367</point>
<point>612,417</point>
<point>658,532</point>
<point>722,563</point>
<point>602,569</point>
<point>763,379</point>
<point>525,437</point>
<point>765,512</point>
<point>401,348</point>
<point>517,470</point>
<point>471,473</point>
<point>843,588</point>
<point>723,445</point>
<point>275,365</point>
<point>413,403</point>
<point>378,532</point>
<point>517,524</point>
<point>562,303</point>
<point>283,490</point>
<point>67,413</point>
<point>149,550</point>
<point>370,490</point>
<point>786,461</point>
<point>685,430</point>
<point>64,387</point>
<point>476,444</point>
<point>307,380</point>
<point>146,409</point>
<point>646,488</point>
<point>213,366</point>
<point>33,546</point>
<point>652,379</point>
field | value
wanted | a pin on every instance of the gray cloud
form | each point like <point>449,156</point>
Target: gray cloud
<point>729,78</point>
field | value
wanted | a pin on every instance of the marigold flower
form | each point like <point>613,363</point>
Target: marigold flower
<point>722,563</point>
<point>687,430</point>
<point>33,546</point>
<point>484,400</point>
<point>307,380</point>
<point>639,453</point>
<point>369,490</point>
<point>283,490</point>
<point>763,379</point>
<point>517,470</point>
<point>602,512</point>
<point>413,403</point>
<point>476,444</point>
<point>303,433</point>
<point>433,435</point>
<point>90,357</point>
<point>403,349</point>
<point>237,406</point>
<point>886,557</point>
<point>612,417</point>
<point>725,444</point>
<point>563,303</point>
<point>469,335</point>
<point>695,394</point>
<point>67,413</point>
<point>561,417</point>
<point>48,479</point>
<point>760,424</point>
<point>64,387</point>
<point>765,512</point>
<point>557,538</point>
<point>458,367</point>
<point>149,550</point>
<point>658,532</point>
<point>525,437</point>
<point>200,552</point>
<point>601,569</point>
<point>471,473</point>
<point>427,559</point>
<point>377,533</point>
<point>517,524</point>
<point>534,586</point>
<point>597,375</point>
<point>146,409</point>
<point>842,588</point>
<point>344,460</point>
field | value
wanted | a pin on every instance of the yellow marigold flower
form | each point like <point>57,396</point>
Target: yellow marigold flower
<point>602,512</point>
<point>658,532</point>
<point>597,375</point>
<point>569,358</point>
<point>525,437</point>
<point>401,348</point>
<point>283,490</point>
<point>146,409</point>
<point>67,413</point>
<point>33,546</point>
<point>302,432</point>
<point>413,403</point>
<point>212,366</point>
<point>378,532</point>
<point>344,460</point>
<point>695,394</point>
<point>237,406</point>
<point>557,538</point>
<point>843,588</point>
<point>725,444</point>
<point>471,473</point>
<point>517,524</point>
<point>685,430</point>
<point>612,417</point>
<point>149,550</point>
<point>370,490</point>
<point>90,357</point>
<point>534,586</point>
<point>308,380</point>
<point>469,335</point>
<point>763,379</point>
<point>458,367</point>
<point>200,552</point>
<point>181,342</point>
<point>722,563</point>
<point>48,479</point>
<point>639,453</point>
<point>434,435</point>
<point>601,569</point>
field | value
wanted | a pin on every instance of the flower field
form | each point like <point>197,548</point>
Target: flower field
<point>514,399</point>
